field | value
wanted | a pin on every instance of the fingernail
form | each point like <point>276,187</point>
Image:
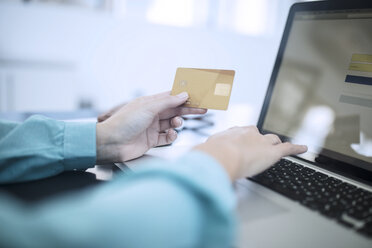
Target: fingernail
<point>172,133</point>
<point>178,121</point>
<point>183,95</point>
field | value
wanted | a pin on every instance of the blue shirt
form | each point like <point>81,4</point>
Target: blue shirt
<point>185,203</point>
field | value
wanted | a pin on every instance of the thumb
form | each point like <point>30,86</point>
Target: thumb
<point>167,101</point>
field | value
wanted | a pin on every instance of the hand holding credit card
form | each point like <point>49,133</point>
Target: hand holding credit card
<point>207,88</point>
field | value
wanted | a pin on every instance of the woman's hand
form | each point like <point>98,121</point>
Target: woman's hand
<point>139,125</point>
<point>244,152</point>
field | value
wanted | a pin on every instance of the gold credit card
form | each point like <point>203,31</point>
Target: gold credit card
<point>207,88</point>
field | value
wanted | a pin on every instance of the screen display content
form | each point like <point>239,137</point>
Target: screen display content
<point>322,96</point>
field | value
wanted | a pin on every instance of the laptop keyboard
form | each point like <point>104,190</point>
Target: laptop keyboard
<point>348,204</point>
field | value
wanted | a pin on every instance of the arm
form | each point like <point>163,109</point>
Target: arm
<point>187,203</point>
<point>41,147</point>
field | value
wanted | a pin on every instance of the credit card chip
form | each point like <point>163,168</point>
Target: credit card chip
<point>222,89</point>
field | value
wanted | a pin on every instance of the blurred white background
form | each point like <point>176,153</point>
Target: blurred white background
<point>64,55</point>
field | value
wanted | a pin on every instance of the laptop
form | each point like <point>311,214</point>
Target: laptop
<point>320,94</point>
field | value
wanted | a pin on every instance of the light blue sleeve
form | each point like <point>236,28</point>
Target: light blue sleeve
<point>41,147</point>
<point>185,203</point>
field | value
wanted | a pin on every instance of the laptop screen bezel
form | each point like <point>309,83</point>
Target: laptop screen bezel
<point>344,167</point>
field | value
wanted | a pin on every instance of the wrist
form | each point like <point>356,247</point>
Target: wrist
<point>106,148</point>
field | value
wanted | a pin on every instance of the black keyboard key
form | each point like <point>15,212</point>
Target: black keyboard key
<point>296,195</point>
<point>366,229</point>
<point>307,171</point>
<point>296,168</point>
<point>332,210</point>
<point>320,176</point>
<point>362,194</point>
<point>313,202</point>
<point>345,223</point>
<point>361,210</point>
<point>358,213</point>
<point>346,187</point>
<point>333,181</point>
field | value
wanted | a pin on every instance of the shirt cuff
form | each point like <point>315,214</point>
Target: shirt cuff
<point>79,145</point>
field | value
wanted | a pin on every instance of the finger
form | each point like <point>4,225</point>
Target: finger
<point>170,123</point>
<point>164,125</point>
<point>167,138</point>
<point>176,122</point>
<point>286,149</point>
<point>273,139</point>
<point>165,101</point>
<point>180,111</point>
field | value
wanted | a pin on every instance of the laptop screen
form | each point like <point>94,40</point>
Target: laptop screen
<point>322,96</point>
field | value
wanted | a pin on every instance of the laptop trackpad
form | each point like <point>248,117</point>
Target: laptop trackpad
<point>252,206</point>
